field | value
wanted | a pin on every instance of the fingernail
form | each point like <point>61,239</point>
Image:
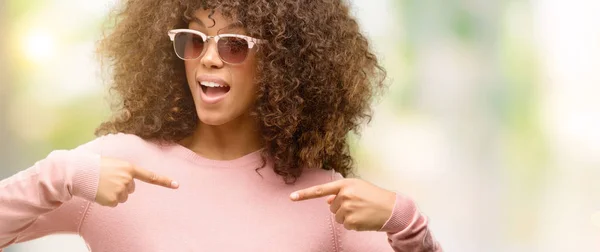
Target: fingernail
<point>174,184</point>
<point>294,196</point>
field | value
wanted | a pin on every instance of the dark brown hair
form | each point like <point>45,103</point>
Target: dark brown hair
<point>316,75</point>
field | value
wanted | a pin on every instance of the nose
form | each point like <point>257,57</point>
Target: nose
<point>211,58</point>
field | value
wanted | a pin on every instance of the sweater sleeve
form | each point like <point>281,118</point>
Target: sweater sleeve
<point>51,196</point>
<point>405,231</point>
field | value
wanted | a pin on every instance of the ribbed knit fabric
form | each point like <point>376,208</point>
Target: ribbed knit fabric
<point>220,205</point>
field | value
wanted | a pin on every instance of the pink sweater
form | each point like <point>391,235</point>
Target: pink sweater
<point>220,206</point>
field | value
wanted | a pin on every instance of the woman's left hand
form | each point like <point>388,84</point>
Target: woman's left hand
<point>357,204</point>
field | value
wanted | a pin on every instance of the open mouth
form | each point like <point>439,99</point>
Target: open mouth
<point>213,89</point>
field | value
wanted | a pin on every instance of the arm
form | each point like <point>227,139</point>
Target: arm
<point>39,201</point>
<point>359,205</point>
<point>405,231</point>
<point>53,195</point>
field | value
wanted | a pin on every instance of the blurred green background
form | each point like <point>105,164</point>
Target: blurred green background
<point>491,122</point>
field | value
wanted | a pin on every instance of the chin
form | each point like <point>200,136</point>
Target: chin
<point>212,118</point>
<point>214,121</point>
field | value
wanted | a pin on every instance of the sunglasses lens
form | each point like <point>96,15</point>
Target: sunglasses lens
<point>233,50</point>
<point>188,45</point>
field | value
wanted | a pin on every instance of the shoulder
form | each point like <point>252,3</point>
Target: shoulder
<point>122,138</point>
<point>119,144</point>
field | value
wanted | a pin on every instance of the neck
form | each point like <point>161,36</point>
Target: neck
<point>229,141</point>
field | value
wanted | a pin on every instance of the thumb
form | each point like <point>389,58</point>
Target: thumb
<point>330,199</point>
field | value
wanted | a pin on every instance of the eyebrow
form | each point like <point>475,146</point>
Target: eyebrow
<point>231,26</point>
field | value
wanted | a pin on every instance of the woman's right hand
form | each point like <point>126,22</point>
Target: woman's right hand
<point>116,181</point>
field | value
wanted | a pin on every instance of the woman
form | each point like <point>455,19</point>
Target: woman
<point>247,105</point>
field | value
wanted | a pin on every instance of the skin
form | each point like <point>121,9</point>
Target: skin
<point>227,132</point>
<point>357,204</point>
<point>226,128</point>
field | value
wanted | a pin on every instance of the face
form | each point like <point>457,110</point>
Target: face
<point>223,92</point>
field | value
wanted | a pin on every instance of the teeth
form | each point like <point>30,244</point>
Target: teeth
<point>211,84</point>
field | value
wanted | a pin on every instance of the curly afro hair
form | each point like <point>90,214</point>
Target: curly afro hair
<point>317,76</point>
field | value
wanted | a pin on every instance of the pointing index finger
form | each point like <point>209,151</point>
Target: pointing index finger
<point>153,178</point>
<point>331,188</point>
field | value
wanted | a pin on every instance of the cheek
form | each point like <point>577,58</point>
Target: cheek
<point>250,72</point>
<point>249,79</point>
<point>190,71</point>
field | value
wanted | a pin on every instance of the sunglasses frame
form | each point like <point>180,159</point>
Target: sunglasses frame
<point>251,42</point>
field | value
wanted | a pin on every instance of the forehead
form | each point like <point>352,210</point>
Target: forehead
<point>213,20</point>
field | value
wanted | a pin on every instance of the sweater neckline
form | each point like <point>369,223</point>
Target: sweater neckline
<point>250,159</point>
